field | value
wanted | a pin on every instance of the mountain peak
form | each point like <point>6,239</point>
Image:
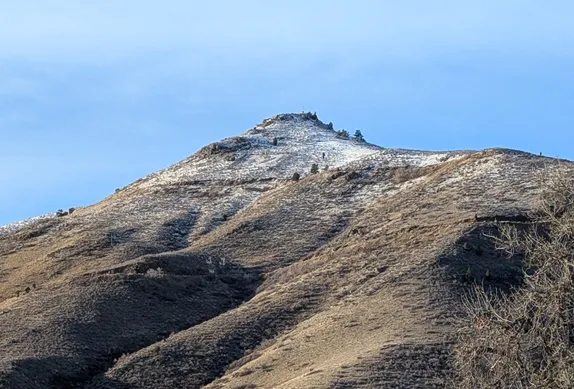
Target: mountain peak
<point>293,117</point>
<point>291,122</point>
<point>274,149</point>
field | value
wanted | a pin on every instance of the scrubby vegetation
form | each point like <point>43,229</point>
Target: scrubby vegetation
<point>309,116</point>
<point>344,134</point>
<point>525,339</point>
<point>61,212</point>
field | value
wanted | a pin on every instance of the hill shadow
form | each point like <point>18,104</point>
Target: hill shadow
<point>474,258</point>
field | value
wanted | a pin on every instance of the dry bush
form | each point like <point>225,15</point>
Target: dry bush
<point>525,339</point>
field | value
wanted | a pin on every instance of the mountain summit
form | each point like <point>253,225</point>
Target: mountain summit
<point>274,149</point>
<point>221,271</point>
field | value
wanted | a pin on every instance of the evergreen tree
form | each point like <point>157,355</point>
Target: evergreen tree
<point>343,134</point>
<point>359,136</point>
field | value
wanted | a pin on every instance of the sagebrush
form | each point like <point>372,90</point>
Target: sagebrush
<point>525,339</point>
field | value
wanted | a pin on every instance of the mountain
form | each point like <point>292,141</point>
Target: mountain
<point>222,271</point>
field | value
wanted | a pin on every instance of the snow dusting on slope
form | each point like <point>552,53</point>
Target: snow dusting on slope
<point>224,178</point>
<point>400,157</point>
<point>12,227</point>
<point>252,156</point>
<point>300,144</point>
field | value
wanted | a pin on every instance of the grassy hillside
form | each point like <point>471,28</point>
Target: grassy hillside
<point>221,272</point>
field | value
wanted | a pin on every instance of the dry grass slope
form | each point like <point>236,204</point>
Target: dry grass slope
<point>221,272</point>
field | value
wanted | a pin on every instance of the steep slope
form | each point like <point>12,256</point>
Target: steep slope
<point>66,279</point>
<point>373,307</point>
<point>222,272</point>
<point>166,210</point>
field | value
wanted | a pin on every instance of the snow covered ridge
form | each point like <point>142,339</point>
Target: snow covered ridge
<point>400,157</point>
<point>254,162</point>
<point>281,146</point>
<point>12,227</point>
<point>275,149</point>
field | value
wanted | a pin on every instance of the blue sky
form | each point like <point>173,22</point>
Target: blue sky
<point>96,94</point>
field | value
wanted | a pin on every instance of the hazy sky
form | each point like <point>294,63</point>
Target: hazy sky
<point>95,94</point>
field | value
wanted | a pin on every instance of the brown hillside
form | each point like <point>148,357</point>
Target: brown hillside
<point>221,272</point>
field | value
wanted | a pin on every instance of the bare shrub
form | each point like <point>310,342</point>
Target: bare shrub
<point>155,273</point>
<point>525,339</point>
